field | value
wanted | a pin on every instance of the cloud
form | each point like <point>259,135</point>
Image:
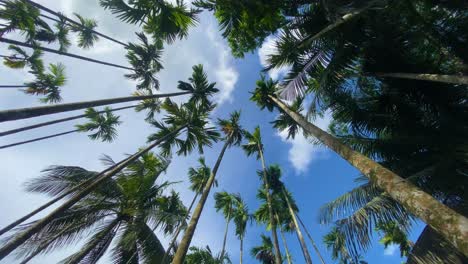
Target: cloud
<point>391,250</point>
<point>303,151</point>
<point>268,48</point>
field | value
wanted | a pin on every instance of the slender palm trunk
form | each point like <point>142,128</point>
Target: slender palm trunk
<point>453,79</point>
<point>101,177</point>
<point>286,248</point>
<point>181,252</point>
<point>43,124</point>
<point>12,86</point>
<point>305,251</point>
<point>270,209</point>
<point>38,139</point>
<point>73,22</point>
<point>450,224</point>
<point>223,251</point>
<point>23,113</point>
<point>27,45</point>
<point>241,253</point>
<point>311,240</point>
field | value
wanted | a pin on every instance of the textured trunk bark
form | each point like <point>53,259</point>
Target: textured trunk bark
<point>311,240</point>
<point>305,252</point>
<point>184,245</point>
<point>270,210</point>
<point>453,226</point>
<point>26,45</point>
<point>21,129</point>
<point>23,113</point>
<point>38,139</point>
<point>453,79</point>
<point>38,225</point>
<point>223,251</point>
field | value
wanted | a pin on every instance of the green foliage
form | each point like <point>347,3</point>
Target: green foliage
<point>104,123</point>
<point>254,143</point>
<point>232,129</point>
<point>62,35</point>
<point>199,87</point>
<point>47,84</point>
<point>20,15</point>
<point>199,176</point>
<point>393,234</point>
<point>20,59</point>
<point>198,255</point>
<point>226,202</point>
<point>264,252</point>
<point>86,36</point>
<point>151,105</point>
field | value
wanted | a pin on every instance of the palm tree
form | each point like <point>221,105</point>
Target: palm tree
<point>255,146</point>
<point>132,204</point>
<point>311,239</point>
<point>233,134</point>
<point>204,255</point>
<point>104,124</point>
<point>48,84</point>
<point>20,59</point>
<point>411,197</point>
<point>227,203</point>
<point>264,252</point>
<point>335,241</point>
<point>241,216</point>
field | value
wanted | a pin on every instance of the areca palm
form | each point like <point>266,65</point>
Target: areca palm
<point>48,84</point>
<point>205,256</point>
<point>264,252</point>
<point>335,241</point>
<point>241,217</point>
<point>255,146</point>
<point>227,203</point>
<point>20,59</point>
<point>233,134</point>
<point>124,212</point>
<point>421,205</point>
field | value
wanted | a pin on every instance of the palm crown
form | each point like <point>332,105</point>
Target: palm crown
<point>199,176</point>
<point>254,143</point>
<point>199,87</point>
<point>104,123</point>
<point>48,84</point>
<point>231,128</point>
<point>264,252</point>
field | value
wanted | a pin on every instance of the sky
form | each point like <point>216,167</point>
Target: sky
<point>314,174</point>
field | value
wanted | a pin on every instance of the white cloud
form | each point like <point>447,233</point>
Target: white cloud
<point>391,250</point>
<point>268,48</point>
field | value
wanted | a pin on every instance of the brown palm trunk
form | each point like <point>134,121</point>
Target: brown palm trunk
<point>223,251</point>
<point>26,45</point>
<point>450,224</point>
<point>270,209</point>
<point>311,240</point>
<point>184,245</point>
<point>305,251</point>
<point>21,129</point>
<point>23,113</point>
<point>38,139</point>
<point>38,225</point>
<point>453,79</point>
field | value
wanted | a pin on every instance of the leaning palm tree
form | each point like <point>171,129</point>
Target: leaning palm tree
<point>102,126</point>
<point>123,212</point>
<point>226,202</point>
<point>264,252</point>
<point>204,255</point>
<point>255,146</point>
<point>412,198</point>
<point>241,217</point>
<point>233,134</point>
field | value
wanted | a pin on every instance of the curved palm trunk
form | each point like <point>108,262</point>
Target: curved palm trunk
<point>26,45</point>
<point>23,113</point>
<point>71,21</point>
<point>101,177</point>
<point>12,86</point>
<point>38,139</point>
<point>43,124</point>
<point>270,209</point>
<point>223,251</point>
<point>286,248</point>
<point>311,240</point>
<point>305,252</point>
<point>181,252</point>
<point>241,253</point>
<point>450,224</point>
<point>453,79</point>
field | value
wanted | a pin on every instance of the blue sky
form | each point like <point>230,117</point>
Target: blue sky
<point>314,174</point>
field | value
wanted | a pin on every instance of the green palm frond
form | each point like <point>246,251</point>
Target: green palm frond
<point>48,84</point>
<point>254,143</point>
<point>104,124</point>
<point>285,122</point>
<point>199,86</point>
<point>86,36</point>
<point>62,34</point>
<point>263,89</point>
<point>264,252</point>
<point>20,16</point>
<point>232,129</point>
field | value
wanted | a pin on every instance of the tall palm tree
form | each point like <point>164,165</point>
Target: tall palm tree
<point>264,252</point>
<point>204,255</point>
<point>233,134</point>
<point>48,84</point>
<point>255,146</point>
<point>412,198</point>
<point>20,59</point>
<point>335,241</point>
<point>125,210</point>
<point>241,216</point>
<point>103,126</point>
<point>226,202</point>
<point>311,239</point>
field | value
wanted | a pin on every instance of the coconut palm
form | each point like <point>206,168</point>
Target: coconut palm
<point>241,216</point>
<point>123,212</point>
<point>204,255</point>
<point>264,252</point>
<point>233,134</point>
<point>227,203</point>
<point>421,205</point>
<point>102,125</point>
<point>255,146</point>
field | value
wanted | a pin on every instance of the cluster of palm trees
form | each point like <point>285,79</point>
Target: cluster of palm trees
<point>391,73</point>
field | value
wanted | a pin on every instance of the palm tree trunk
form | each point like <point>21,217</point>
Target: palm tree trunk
<point>270,209</point>
<point>38,139</point>
<point>453,79</point>
<point>23,113</point>
<point>26,45</point>
<point>286,248</point>
<point>12,86</point>
<point>241,253</point>
<point>21,129</point>
<point>311,240</point>
<point>181,252</point>
<point>72,21</point>
<point>101,177</point>
<point>450,224</point>
<point>225,235</point>
<point>298,231</point>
